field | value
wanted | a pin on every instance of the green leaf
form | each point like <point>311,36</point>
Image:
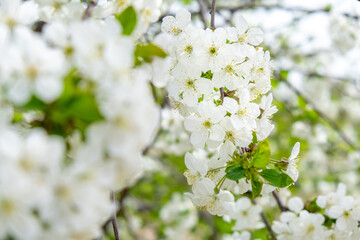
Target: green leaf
<point>200,99</point>
<point>235,172</point>
<point>256,184</point>
<point>145,53</point>
<point>127,19</point>
<point>261,155</point>
<point>276,178</point>
<point>254,140</point>
<point>34,104</point>
<point>84,108</point>
<point>284,74</point>
<point>207,75</point>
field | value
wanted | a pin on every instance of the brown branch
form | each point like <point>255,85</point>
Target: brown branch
<point>282,207</point>
<point>90,6</point>
<point>222,94</point>
<point>213,11</point>
<point>202,13</point>
<point>266,221</point>
<point>253,5</point>
<point>113,219</point>
<point>267,224</point>
<point>331,122</point>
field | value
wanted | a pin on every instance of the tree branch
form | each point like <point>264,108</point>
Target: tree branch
<point>253,4</point>
<point>213,11</point>
<point>267,224</point>
<point>113,219</point>
<point>202,13</point>
<point>266,221</point>
<point>331,122</point>
<point>282,207</point>
<point>90,6</point>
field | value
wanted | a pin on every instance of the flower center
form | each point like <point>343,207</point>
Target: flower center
<point>190,83</point>
<point>212,51</point>
<point>7,207</point>
<point>229,136</point>
<point>189,49</point>
<point>207,124</point>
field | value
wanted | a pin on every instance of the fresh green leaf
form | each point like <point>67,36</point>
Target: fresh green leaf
<point>127,19</point>
<point>276,178</point>
<point>254,140</point>
<point>34,104</point>
<point>145,53</point>
<point>235,172</point>
<point>207,74</point>
<point>256,184</point>
<point>200,99</point>
<point>284,74</point>
<point>261,154</point>
<point>84,108</point>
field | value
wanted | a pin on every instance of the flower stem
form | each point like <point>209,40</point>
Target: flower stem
<point>279,203</point>
<point>213,9</point>
<point>113,219</point>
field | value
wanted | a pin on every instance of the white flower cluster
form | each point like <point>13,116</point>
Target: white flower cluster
<point>40,198</point>
<point>180,217</point>
<point>345,209</point>
<point>218,82</point>
<point>58,187</point>
<point>341,222</point>
<point>349,37</point>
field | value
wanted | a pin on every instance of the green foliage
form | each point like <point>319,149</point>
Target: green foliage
<point>187,1</point>
<point>235,172</point>
<point>146,53</point>
<point>34,104</point>
<point>127,19</point>
<point>284,74</point>
<point>262,234</point>
<point>76,108</point>
<point>222,226</point>
<point>207,74</point>
<point>276,178</point>
<point>256,184</point>
<point>261,155</point>
<point>201,98</point>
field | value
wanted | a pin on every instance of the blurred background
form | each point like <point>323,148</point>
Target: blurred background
<point>315,50</point>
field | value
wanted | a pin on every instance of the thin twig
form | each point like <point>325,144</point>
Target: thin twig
<point>113,219</point>
<point>253,4</point>
<point>90,6</point>
<point>331,122</point>
<point>282,207</point>
<point>213,11</point>
<point>120,210</point>
<point>222,94</point>
<point>202,13</point>
<point>267,224</point>
<point>266,221</point>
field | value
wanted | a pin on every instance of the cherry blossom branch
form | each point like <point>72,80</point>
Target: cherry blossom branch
<point>202,13</point>
<point>113,219</point>
<point>282,207</point>
<point>253,5</point>
<point>331,122</point>
<point>213,11</point>
<point>267,222</point>
<point>90,6</point>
